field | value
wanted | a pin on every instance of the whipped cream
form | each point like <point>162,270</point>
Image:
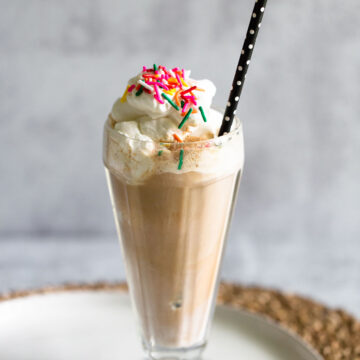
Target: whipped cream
<point>147,119</point>
<point>142,134</point>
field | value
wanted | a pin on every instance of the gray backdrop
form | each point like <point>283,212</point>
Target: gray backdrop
<point>62,65</point>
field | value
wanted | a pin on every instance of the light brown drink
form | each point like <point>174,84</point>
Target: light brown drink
<point>172,204</point>
<point>172,230</point>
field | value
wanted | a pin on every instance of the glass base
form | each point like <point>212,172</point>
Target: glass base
<point>190,353</point>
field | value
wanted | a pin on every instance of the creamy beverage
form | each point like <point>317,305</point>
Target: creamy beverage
<point>172,183</point>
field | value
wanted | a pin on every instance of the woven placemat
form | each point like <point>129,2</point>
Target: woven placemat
<point>332,332</point>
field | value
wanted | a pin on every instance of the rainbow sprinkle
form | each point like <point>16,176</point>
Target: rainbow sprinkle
<point>202,113</point>
<point>145,85</point>
<point>140,91</point>
<point>131,88</point>
<point>185,118</point>
<point>157,94</point>
<point>181,159</point>
<point>188,90</point>
<point>178,79</point>
<point>123,98</point>
<point>170,85</point>
<point>177,138</point>
<point>170,101</point>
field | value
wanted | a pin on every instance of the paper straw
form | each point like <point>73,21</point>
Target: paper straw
<point>242,67</point>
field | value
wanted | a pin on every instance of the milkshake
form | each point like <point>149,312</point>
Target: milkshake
<point>172,183</point>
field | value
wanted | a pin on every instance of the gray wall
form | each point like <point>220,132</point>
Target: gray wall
<point>63,63</point>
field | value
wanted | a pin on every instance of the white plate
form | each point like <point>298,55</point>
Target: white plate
<point>92,325</point>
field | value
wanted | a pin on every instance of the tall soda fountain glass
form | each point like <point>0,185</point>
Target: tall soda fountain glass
<point>172,203</point>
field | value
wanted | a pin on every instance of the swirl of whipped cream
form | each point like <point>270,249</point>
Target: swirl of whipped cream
<point>158,121</point>
<point>147,126</point>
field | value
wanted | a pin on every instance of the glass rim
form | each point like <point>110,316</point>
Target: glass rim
<point>222,138</point>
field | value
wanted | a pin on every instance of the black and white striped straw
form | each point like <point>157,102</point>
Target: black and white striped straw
<point>242,67</point>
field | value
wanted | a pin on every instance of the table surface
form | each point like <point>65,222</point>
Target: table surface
<point>28,263</point>
<point>34,331</point>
